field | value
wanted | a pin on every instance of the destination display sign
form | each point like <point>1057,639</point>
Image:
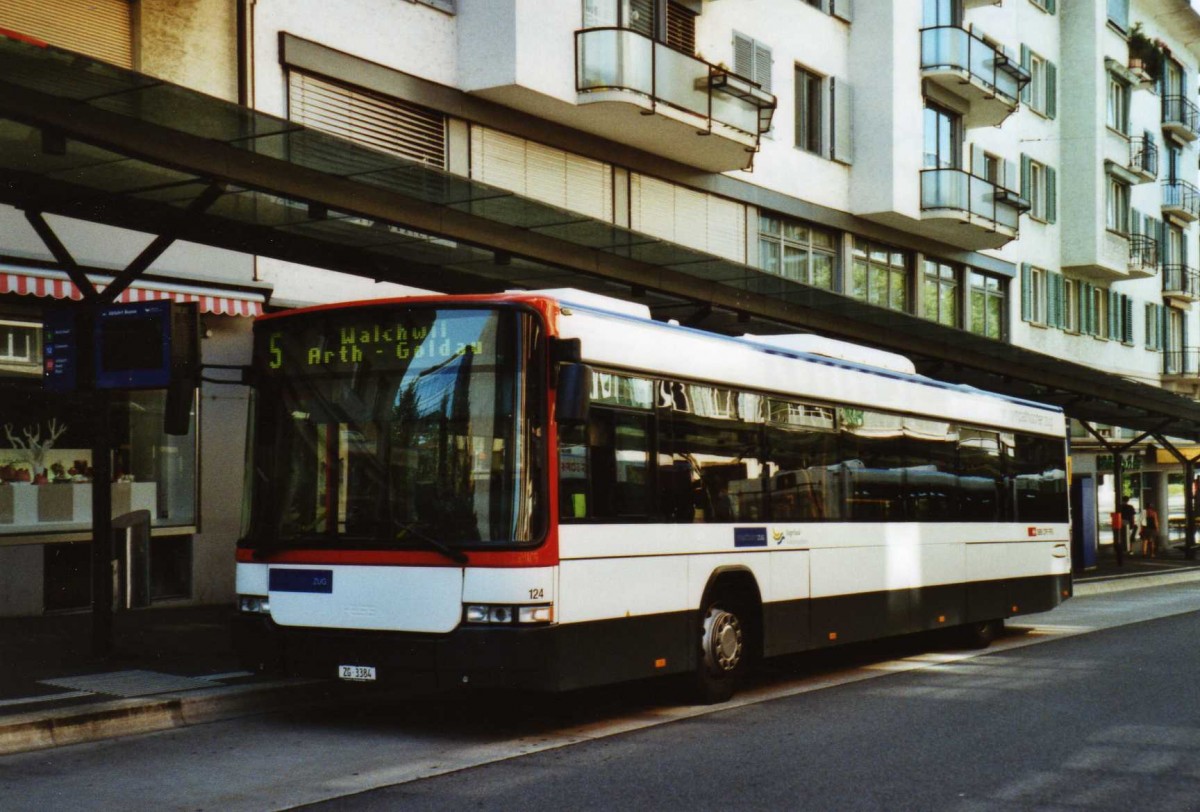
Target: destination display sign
<point>343,340</point>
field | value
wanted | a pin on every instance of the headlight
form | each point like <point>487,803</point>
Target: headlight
<point>507,615</point>
<point>254,604</point>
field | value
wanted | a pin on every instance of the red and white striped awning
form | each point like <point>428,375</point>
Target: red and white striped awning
<point>57,286</point>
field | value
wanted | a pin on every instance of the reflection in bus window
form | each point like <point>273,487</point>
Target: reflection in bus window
<point>801,445</point>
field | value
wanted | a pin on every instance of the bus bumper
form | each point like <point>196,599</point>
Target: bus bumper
<point>515,657</point>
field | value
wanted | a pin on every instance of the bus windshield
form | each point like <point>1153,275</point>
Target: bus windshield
<point>397,427</point>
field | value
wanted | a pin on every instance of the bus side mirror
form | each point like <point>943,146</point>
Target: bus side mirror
<point>574,394</point>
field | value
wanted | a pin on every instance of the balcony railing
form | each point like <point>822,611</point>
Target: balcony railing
<point>962,193</point>
<point>1143,157</point>
<point>1181,362</point>
<point>625,60</point>
<point>1181,116</point>
<point>1181,281</point>
<point>1143,252</point>
<point>1181,199</point>
<point>954,49</point>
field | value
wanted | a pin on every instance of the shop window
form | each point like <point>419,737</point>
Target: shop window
<point>46,464</point>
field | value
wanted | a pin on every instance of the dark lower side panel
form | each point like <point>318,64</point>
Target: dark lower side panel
<point>578,655</point>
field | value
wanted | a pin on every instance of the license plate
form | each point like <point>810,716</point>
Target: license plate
<point>357,673</point>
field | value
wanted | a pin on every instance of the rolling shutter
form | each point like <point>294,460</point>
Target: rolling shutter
<point>380,122</point>
<point>98,28</point>
<point>543,173</point>
<point>695,219</point>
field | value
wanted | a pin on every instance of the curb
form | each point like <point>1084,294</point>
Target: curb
<point>125,717</point>
<point>1120,583</point>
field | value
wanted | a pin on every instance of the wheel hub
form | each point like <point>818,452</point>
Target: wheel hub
<point>722,640</point>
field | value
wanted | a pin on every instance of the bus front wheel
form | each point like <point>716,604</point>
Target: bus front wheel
<point>722,656</point>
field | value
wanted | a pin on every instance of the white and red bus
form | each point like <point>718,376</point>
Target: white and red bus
<point>551,490</point>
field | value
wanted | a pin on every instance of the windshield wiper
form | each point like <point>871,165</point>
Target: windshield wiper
<point>404,528</point>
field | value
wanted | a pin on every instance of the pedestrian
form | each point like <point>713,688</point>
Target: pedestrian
<point>1128,525</point>
<point>1150,534</point>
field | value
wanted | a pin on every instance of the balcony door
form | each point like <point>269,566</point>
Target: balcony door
<point>942,12</point>
<point>943,138</point>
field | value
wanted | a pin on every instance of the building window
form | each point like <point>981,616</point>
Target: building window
<point>1071,305</point>
<point>1037,296</point>
<point>1154,326</point>
<point>1118,13</point>
<point>1118,105</point>
<point>1116,216</point>
<point>808,111</point>
<point>1041,94</point>
<point>941,292</point>
<point>1039,187</point>
<point>879,275</point>
<point>796,250</point>
<point>1099,312</point>
<point>987,306</point>
<point>20,343</point>
<point>1045,5</point>
<point>943,138</point>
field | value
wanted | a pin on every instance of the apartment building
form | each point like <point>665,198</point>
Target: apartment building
<point>1007,178</point>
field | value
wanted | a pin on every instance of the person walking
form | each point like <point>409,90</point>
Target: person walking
<point>1150,534</point>
<point>1128,525</point>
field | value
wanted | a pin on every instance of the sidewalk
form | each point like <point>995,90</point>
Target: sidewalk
<point>170,666</point>
<point>174,666</point>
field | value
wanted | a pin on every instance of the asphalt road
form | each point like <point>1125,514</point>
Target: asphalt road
<point>1050,718</point>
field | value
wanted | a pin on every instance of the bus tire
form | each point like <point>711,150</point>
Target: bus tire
<point>979,634</point>
<point>723,651</point>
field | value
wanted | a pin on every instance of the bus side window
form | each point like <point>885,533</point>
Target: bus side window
<point>604,468</point>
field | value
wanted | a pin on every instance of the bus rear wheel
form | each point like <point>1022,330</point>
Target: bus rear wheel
<point>722,656</point>
<point>979,634</point>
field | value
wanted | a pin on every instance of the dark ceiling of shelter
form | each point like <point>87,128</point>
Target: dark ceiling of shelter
<point>87,140</point>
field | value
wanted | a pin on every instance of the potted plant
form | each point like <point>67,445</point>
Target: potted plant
<point>1145,54</point>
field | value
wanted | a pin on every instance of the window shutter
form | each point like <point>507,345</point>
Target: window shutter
<point>1051,90</point>
<point>841,107</point>
<point>542,173</point>
<point>1026,163</point>
<point>1060,301</point>
<point>1027,91</point>
<point>1026,291</point>
<point>743,56</point>
<point>1127,331</point>
<point>1051,195</point>
<point>762,66</point>
<point>1114,309</point>
<point>1051,6</point>
<point>1150,320</point>
<point>842,9</point>
<point>380,122</point>
<point>1161,328</point>
<point>1088,307</point>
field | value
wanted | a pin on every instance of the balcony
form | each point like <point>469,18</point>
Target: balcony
<point>1143,158</point>
<point>962,63</point>
<point>1181,364</point>
<point>646,94</point>
<point>1181,282</point>
<point>967,210</point>
<point>1181,118</point>
<point>1143,256</point>
<point>1181,200</point>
